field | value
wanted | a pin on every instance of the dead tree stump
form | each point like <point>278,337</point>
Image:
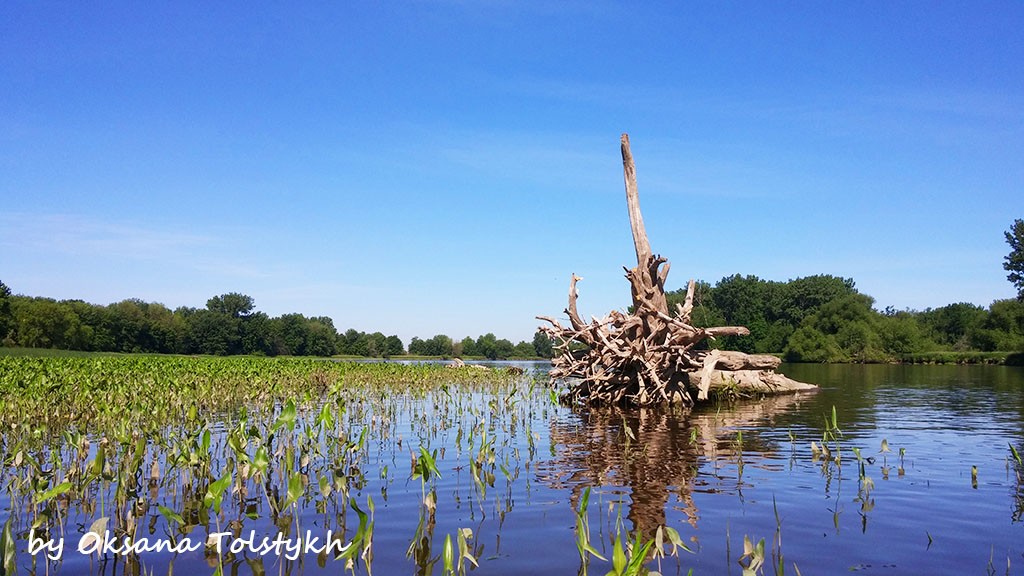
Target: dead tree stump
<point>650,356</point>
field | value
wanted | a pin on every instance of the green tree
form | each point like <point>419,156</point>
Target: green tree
<point>376,344</point>
<point>742,299</point>
<point>542,345</point>
<point>848,324</point>
<point>212,333</point>
<point>292,331</point>
<point>233,304</point>
<point>809,344</point>
<point>350,343</point>
<point>524,349</point>
<point>1014,263</point>
<point>1003,328</point>
<point>6,316</point>
<point>321,338</point>
<point>901,333</point>
<point>804,296</point>
<point>486,345</point>
<point>393,346</point>
<point>417,346</point>
<point>439,345</point>
<point>503,349</point>
<point>258,335</point>
<point>951,325</point>
<point>46,323</point>
<point>469,347</point>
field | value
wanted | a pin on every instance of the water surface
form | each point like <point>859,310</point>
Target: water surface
<point>514,467</point>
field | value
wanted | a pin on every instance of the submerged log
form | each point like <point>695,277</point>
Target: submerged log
<point>650,356</point>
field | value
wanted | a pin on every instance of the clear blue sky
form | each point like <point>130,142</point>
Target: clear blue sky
<point>443,167</point>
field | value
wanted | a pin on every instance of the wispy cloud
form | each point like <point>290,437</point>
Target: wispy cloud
<point>75,234</point>
<point>86,237</point>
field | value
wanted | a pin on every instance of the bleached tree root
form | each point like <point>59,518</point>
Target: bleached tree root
<point>650,356</point>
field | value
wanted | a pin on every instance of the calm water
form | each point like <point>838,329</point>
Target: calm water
<point>715,475</point>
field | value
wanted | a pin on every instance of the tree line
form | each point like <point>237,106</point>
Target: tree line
<point>819,318</point>
<point>228,325</point>
<point>812,319</point>
<point>825,319</point>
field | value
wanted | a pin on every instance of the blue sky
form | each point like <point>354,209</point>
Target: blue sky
<point>443,167</point>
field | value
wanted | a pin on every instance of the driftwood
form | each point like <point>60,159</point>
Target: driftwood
<point>650,356</point>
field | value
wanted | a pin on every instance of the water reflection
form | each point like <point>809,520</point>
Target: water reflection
<point>656,453</point>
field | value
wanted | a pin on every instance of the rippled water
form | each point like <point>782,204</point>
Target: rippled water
<point>715,475</point>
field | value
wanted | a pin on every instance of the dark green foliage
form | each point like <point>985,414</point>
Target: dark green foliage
<point>468,347</point>
<point>542,345</point>
<point>809,344</point>
<point>439,345</point>
<point>393,346</point>
<point>1002,329</point>
<point>814,319</point>
<point>487,345</point>
<point>951,325</point>
<point>232,304</point>
<point>824,319</point>
<point>901,334</point>
<point>1014,263</point>
<point>771,310</point>
<point>524,350</point>
<point>6,316</point>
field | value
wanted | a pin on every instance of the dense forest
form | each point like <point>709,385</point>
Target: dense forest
<point>812,319</point>
<point>825,319</point>
<point>229,324</point>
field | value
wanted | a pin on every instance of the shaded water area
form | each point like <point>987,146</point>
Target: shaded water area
<point>512,466</point>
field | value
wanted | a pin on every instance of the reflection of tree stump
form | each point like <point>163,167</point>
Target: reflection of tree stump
<point>595,454</point>
<point>656,454</point>
<point>648,357</point>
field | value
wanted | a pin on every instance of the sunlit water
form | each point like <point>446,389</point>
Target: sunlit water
<point>716,475</point>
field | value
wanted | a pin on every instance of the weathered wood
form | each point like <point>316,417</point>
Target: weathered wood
<point>750,381</point>
<point>650,356</point>
<point>732,360</point>
<point>636,219</point>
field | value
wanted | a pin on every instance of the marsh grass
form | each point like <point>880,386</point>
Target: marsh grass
<point>170,447</point>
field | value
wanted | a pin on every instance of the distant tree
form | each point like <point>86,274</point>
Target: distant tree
<point>258,335</point>
<point>743,300</point>
<point>1015,259</point>
<point>848,329</point>
<point>347,342</point>
<point>804,296</point>
<point>6,316</point>
<point>1003,328</point>
<point>46,323</point>
<point>486,345</point>
<point>901,333</point>
<point>503,349</point>
<point>416,346</point>
<point>469,347</point>
<point>376,344</point>
<point>809,344</point>
<point>393,346</point>
<point>213,333</point>
<point>524,349</point>
<point>951,325</point>
<point>439,345</point>
<point>136,326</point>
<point>292,332</point>
<point>233,304</point>
<point>542,345</point>
<point>320,338</point>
